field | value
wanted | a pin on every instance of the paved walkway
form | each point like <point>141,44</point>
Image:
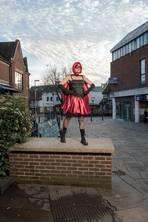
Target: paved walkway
<point>130,164</point>
<point>130,177</point>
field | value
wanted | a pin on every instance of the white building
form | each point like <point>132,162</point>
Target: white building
<point>42,100</point>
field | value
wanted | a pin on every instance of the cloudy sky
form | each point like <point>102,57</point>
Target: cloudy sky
<point>59,32</point>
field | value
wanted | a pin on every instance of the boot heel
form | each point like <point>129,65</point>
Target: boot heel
<point>62,136</point>
<point>84,142</point>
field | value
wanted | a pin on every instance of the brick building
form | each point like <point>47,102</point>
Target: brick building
<point>14,74</point>
<point>128,82</point>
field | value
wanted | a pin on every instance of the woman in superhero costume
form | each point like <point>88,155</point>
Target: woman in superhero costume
<point>75,89</point>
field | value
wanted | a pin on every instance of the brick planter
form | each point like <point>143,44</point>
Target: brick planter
<point>46,160</point>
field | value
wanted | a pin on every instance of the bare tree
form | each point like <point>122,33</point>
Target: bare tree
<point>53,76</point>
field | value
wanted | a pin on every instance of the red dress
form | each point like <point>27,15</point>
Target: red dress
<point>76,105</point>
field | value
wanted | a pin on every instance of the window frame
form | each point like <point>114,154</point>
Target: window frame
<point>142,72</point>
<point>18,81</point>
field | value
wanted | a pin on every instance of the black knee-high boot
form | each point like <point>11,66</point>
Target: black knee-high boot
<point>62,134</point>
<point>83,140</point>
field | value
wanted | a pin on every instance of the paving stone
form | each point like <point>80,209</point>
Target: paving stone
<point>5,183</point>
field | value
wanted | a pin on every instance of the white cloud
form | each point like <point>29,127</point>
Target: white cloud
<point>62,31</point>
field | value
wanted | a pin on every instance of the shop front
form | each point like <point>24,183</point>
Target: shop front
<point>125,108</point>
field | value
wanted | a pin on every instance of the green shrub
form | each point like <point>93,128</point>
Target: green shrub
<point>15,126</point>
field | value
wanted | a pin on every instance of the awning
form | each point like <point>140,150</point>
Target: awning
<point>6,88</point>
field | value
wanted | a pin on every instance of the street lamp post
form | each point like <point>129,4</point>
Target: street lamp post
<point>92,108</point>
<point>53,114</point>
<point>102,111</point>
<point>35,107</point>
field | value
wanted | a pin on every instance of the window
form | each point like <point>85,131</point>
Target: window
<point>47,98</point>
<point>18,80</point>
<point>141,39</point>
<point>142,71</point>
<point>118,53</point>
<point>130,47</point>
<point>126,49</point>
<point>51,99</point>
<point>133,45</point>
<point>145,38</point>
<point>57,99</point>
<point>123,51</point>
<point>113,56</point>
<point>138,42</point>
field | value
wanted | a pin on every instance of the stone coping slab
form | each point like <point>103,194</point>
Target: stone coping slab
<point>95,145</point>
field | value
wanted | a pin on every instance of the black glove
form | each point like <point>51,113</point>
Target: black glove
<point>65,91</point>
<point>92,86</point>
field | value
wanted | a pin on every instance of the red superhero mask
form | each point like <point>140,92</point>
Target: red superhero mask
<point>75,66</point>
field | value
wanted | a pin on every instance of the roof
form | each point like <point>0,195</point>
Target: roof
<point>132,35</point>
<point>7,50</point>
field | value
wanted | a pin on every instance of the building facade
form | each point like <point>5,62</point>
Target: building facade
<point>128,83</point>
<point>14,74</point>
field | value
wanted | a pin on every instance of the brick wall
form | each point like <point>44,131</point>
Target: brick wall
<point>18,65</point>
<point>62,168</point>
<point>127,69</point>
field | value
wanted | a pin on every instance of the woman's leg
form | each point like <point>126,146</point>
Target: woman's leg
<point>82,130</point>
<point>66,121</point>
<point>65,125</point>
